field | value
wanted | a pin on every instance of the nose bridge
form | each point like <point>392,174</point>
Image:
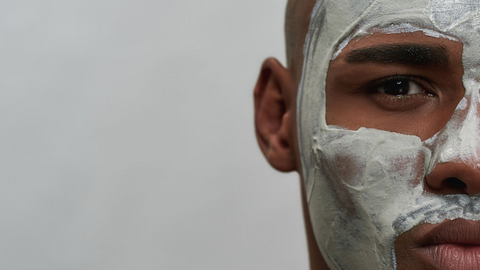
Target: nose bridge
<point>461,136</point>
<point>456,163</point>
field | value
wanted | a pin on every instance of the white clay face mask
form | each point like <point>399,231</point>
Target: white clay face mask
<point>365,187</point>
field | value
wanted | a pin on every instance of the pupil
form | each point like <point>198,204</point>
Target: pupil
<point>396,88</point>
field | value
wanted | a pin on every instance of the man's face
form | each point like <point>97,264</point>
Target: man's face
<point>388,131</point>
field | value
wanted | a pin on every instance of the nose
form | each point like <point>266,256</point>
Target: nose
<point>453,178</point>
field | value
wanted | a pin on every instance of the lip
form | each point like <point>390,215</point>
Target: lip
<point>452,245</point>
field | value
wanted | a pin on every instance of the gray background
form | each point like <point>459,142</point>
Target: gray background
<point>127,137</point>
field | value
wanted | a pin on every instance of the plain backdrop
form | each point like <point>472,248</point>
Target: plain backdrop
<point>127,137</point>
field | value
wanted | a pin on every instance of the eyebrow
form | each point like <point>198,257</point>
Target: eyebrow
<point>405,53</point>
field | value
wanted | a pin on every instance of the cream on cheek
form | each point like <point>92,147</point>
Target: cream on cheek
<point>365,187</point>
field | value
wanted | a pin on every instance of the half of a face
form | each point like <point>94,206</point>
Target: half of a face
<point>389,93</point>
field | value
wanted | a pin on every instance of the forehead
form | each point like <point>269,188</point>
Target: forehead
<point>341,21</point>
<point>449,16</point>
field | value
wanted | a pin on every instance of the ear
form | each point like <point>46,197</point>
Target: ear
<point>274,96</point>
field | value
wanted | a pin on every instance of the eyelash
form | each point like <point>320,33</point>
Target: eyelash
<point>401,102</point>
<point>373,87</point>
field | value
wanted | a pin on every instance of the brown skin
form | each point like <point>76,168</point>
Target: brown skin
<point>351,104</point>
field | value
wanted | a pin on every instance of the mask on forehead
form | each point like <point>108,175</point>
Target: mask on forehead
<point>365,187</point>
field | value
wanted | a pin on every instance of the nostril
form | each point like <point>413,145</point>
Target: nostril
<point>453,178</point>
<point>455,183</point>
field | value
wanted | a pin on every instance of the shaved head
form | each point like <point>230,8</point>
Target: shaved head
<point>297,20</point>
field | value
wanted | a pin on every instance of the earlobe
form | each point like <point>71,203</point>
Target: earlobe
<point>274,98</point>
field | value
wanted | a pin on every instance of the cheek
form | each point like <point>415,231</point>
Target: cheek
<point>368,158</point>
<point>362,180</point>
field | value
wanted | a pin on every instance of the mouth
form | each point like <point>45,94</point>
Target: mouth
<point>452,245</point>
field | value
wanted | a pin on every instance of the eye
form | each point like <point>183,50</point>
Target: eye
<point>398,87</point>
<point>402,93</point>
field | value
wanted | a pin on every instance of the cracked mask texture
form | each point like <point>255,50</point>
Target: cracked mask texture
<point>365,187</point>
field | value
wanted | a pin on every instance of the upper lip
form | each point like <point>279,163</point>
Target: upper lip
<point>458,231</point>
